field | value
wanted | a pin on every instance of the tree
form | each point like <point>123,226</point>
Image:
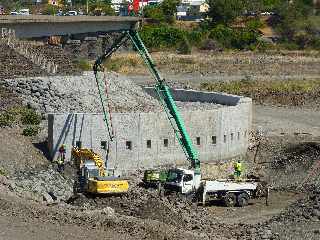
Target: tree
<point>169,9</point>
<point>164,12</point>
<point>101,8</point>
<point>224,11</point>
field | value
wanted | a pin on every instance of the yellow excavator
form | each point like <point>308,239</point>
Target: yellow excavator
<point>94,178</point>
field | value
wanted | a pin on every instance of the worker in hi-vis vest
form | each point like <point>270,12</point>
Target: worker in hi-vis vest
<point>237,170</point>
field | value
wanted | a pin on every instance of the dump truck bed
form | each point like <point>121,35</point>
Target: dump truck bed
<point>221,185</point>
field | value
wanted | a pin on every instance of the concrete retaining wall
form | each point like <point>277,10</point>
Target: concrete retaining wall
<point>229,125</point>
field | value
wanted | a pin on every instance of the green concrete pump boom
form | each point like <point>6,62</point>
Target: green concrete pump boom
<point>163,92</point>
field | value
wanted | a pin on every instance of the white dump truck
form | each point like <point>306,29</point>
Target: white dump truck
<point>231,192</point>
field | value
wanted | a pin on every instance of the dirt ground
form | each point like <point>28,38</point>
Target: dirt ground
<point>257,211</point>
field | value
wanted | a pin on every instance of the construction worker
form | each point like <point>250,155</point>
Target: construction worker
<point>237,170</point>
<point>62,151</point>
<point>61,158</point>
<point>60,163</point>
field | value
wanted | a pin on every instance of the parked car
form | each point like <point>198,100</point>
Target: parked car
<point>72,13</point>
<point>24,11</point>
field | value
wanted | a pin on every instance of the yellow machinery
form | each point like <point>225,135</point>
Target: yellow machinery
<point>93,176</point>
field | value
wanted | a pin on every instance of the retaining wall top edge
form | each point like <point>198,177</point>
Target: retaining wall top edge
<point>181,110</point>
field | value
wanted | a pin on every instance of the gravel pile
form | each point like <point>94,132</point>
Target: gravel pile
<point>80,94</point>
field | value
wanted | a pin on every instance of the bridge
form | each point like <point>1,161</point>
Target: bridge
<point>45,25</point>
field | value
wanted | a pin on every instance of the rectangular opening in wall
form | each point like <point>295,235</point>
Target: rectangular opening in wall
<point>148,143</point>
<point>165,142</point>
<point>129,145</point>
<point>104,145</point>
<point>245,133</point>
<point>198,140</point>
<point>224,138</point>
<point>213,139</point>
<point>238,135</point>
<point>78,144</point>
<point>231,136</point>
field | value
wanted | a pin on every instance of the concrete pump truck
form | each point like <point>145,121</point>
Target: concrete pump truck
<point>178,179</point>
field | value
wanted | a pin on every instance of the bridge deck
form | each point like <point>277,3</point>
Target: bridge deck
<point>44,25</point>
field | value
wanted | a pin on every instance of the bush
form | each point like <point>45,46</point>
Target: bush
<point>50,9</point>
<point>30,117</point>
<point>234,38</point>
<point>209,44</point>
<point>164,12</point>
<point>30,131</point>
<point>162,36</point>
<point>84,64</point>
<point>168,37</point>
<point>224,12</point>
<point>7,119</point>
<point>101,8</point>
<point>3,172</point>
<point>154,12</point>
<point>315,43</point>
<point>184,47</point>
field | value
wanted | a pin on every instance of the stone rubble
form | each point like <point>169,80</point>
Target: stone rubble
<point>80,94</point>
<point>42,185</point>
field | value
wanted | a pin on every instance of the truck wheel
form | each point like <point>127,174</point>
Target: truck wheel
<point>229,200</point>
<point>242,200</point>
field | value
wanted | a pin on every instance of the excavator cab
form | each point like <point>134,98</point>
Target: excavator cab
<point>93,176</point>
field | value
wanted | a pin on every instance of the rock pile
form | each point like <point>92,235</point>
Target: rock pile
<point>302,210</point>
<point>80,94</point>
<point>42,185</point>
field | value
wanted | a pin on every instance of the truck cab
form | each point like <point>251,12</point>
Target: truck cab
<point>181,180</point>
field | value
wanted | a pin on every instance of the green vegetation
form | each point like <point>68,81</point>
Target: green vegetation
<point>49,9</point>
<point>83,64</point>
<point>224,12</point>
<point>236,25</point>
<point>162,36</point>
<point>30,117</point>
<point>7,119</point>
<point>184,47</point>
<point>101,8</point>
<point>298,24</point>
<point>30,131</point>
<point>234,38</point>
<point>164,12</point>
<point>120,63</point>
<point>3,172</point>
<point>293,92</point>
<point>21,115</point>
